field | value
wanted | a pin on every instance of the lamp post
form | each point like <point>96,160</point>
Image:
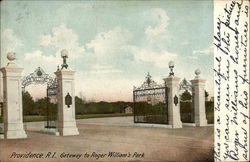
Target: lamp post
<point>171,66</point>
<point>64,55</point>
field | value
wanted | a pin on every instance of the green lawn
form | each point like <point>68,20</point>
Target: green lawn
<point>100,115</point>
<point>33,118</point>
<point>210,117</point>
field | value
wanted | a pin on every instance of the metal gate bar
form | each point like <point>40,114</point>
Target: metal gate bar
<point>150,102</point>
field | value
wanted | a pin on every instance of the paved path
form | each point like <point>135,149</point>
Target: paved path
<point>100,136</point>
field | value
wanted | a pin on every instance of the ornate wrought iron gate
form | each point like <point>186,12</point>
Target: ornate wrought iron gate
<point>150,102</point>
<point>51,104</point>
<point>40,77</point>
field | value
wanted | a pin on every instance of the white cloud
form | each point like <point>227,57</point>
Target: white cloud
<point>9,43</point>
<point>105,89</point>
<point>206,51</point>
<point>36,58</point>
<point>161,16</point>
<point>45,40</point>
<point>106,71</point>
<point>159,58</point>
<point>153,48</point>
<point>63,38</point>
<point>110,42</point>
<point>114,46</point>
<point>37,55</point>
<point>185,42</point>
<point>156,33</point>
<point>9,40</point>
<point>193,57</point>
<point>103,69</point>
<point>98,67</point>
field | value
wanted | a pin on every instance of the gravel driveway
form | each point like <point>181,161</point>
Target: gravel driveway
<point>111,139</point>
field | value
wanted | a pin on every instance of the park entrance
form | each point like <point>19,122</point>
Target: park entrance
<point>49,102</point>
<point>150,102</point>
<point>61,88</point>
<point>187,94</point>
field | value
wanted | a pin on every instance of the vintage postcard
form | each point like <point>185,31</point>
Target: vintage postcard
<point>124,80</point>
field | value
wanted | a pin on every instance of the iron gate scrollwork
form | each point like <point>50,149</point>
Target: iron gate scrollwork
<point>51,100</point>
<point>40,77</point>
<point>37,77</point>
<point>150,102</point>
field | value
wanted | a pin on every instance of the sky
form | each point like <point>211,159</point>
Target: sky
<point>112,44</point>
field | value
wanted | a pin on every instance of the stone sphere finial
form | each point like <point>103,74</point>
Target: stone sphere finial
<point>197,72</point>
<point>64,53</point>
<point>11,56</point>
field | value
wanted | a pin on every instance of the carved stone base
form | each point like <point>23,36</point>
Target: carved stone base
<point>15,134</point>
<point>1,133</point>
<point>201,123</point>
<point>52,131</point>
<point>68,131</point>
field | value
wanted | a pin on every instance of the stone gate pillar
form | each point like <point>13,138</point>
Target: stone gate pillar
<point>1,97</point>
<point>172,83</point>
<point>66,101</point>
<point>198,86</point>
<point>12,97</point>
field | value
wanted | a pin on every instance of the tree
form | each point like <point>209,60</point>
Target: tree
<point>185,96</point>
<point>81,96</point>
<point>41,106</point>
<point>79,105</point>
<point>28,104</point>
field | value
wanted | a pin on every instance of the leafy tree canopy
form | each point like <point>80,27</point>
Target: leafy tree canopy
<point>186,96</point>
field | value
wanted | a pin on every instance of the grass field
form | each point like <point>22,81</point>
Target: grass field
<point>34,118</point>
<point>210,117</point>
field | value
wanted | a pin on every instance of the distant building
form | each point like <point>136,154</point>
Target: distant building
<point>153,100</point>
<point>53,99</point>
<point>128,109</point>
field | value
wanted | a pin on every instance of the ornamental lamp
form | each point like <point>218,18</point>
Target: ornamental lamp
<point>171,67</point>
<point>64,55</point>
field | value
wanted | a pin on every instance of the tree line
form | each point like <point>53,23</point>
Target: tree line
<point>44,105</point>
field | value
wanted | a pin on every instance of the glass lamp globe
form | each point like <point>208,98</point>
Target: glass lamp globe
<point>171,63</point>
<point>64,53</point>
